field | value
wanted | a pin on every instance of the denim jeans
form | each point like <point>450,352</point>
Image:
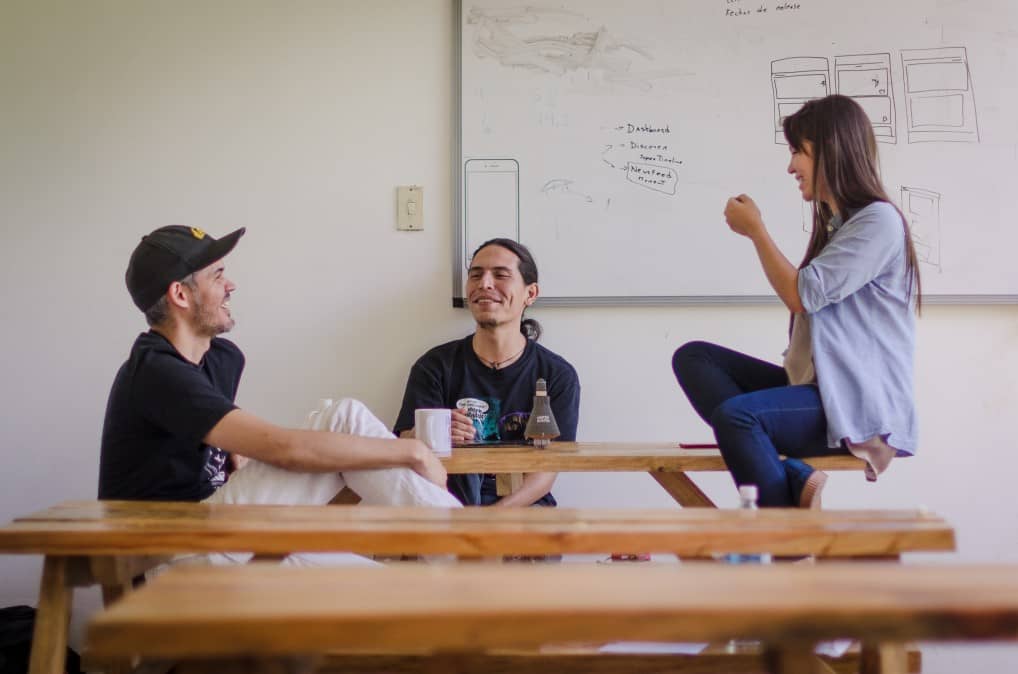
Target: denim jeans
<point>756,416</point>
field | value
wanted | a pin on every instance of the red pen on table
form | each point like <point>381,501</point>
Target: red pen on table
<point>697,445</point>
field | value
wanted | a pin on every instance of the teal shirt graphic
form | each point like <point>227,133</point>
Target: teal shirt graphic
<point>484,412</point>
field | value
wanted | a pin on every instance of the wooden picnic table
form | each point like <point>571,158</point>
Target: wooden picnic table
<point>666,462</point>
<point>288,614</point>
<point>111,542</point>
<point>101,529</point>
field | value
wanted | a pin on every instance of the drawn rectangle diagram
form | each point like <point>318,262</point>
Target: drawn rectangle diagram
<point>922,210</point>
<point>800,86</point>
<point>939,111</point>
<point>867,79</point>
<point>950,76</point>
<point>794,81</point>
<point>940,102</point>
<point>491,202</point>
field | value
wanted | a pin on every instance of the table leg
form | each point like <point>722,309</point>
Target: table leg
<point>794,659</point>
<point>683,489</point>
<point>52,618</point>
<point>508,483</point>
<point>883,658</point>
<point>116,574</point>
<point>112,593</point>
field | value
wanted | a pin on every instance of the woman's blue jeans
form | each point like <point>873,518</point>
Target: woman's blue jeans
<point>756,417</point>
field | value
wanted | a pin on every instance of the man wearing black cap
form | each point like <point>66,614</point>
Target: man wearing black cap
<point>171,422</point>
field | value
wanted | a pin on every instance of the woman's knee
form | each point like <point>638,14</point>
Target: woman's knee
<point>733,414</point>
<point>687,354</point>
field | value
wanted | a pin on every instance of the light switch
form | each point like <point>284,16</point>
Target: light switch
<point>410,208</point>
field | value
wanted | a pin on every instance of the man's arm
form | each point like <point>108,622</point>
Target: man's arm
<point>320,451</point>
<point>535,485</point>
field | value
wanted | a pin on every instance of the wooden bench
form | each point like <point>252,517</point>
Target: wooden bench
<point>111,542</point>
<point>234,620</point>
<point>666,462</point>
<point>714,659</point>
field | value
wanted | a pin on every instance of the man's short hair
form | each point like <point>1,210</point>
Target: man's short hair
<point>160,311</point>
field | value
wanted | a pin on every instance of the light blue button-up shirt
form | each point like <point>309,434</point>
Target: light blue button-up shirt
<point>856,292</point>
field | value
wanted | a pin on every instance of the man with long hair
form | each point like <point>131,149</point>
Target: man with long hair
<point>488,378</point>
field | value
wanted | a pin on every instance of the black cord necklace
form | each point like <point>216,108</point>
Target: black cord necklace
<point>498,364</point>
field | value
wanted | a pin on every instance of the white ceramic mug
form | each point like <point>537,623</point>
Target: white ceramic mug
<point>433,427</point>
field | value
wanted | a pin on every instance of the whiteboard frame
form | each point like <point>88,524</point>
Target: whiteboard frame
<point>458,253</point>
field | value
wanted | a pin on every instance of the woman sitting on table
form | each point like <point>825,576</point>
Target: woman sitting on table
<point>846,383</point>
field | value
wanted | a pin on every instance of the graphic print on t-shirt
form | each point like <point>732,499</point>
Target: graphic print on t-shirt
<point>489,423</point>
<point>484,414</point>
<point>513,424</point>
<point>214,471</point>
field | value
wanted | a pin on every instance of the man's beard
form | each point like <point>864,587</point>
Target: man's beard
<point>205,320</point>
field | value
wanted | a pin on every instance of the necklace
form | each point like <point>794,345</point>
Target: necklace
<point>498,364</point>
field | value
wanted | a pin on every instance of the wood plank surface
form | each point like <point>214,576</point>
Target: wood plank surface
<point>604,456</point>
<point>258,609</point>
<point>152,528</point>
<point>711,661</point>
<point>715,659</point>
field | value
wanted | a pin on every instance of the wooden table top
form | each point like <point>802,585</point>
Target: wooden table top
<point>258,609</point>
<point>604,456</point>
<point>136,528</point>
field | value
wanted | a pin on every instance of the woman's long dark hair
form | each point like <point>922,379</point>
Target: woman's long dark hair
<point>530,328</point>
<point>845,169</point>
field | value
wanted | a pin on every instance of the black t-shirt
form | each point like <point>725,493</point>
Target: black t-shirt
<point>160,407</point>
<point>498,401</point>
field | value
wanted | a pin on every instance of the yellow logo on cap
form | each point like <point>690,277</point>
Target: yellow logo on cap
<point>197,233</point>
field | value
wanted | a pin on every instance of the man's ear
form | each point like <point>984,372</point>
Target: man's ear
<point>532,292</point>
<point>178,295</point>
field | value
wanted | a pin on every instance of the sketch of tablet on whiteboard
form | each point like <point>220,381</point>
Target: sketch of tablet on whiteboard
<point>491,202</point>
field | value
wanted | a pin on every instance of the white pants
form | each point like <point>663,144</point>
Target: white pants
<point>261,483</point>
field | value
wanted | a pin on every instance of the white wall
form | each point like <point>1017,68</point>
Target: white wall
<point>297,120</point>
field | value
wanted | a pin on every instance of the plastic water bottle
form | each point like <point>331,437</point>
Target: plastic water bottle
<point>748,494</point>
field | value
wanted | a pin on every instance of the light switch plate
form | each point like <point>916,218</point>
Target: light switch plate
<point>409,208</point>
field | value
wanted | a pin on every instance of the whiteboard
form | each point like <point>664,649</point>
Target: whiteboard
<point>607,136</point>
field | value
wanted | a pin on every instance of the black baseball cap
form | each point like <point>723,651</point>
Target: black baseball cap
<point>169,254</point>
